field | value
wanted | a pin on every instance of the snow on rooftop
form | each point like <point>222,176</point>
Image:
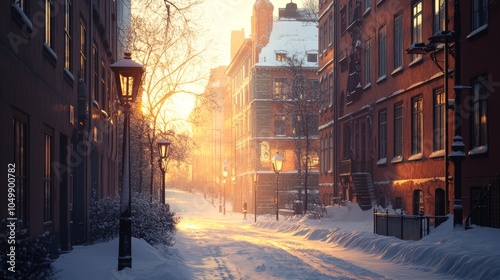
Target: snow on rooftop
<point>295,38</point>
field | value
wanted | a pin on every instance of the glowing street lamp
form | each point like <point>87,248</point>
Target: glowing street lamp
<point>128,76</point>
<point>163,145</point>
<point>277,161</point>
<point>255,179</point>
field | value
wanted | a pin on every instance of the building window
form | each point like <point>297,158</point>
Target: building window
<point>331,28</point>
<point>279,125</point>
<point>23,4</point>
<point>321,38</point>
<point>68,33</point>
<point>21,170</point>
<point>368,62</point>
<point>382,52</point>
<point>312,57</point>
<point>479,113</point>
<point>49,26</point>
<point>351,11</point>
<point>439,112</point>
<point>398,130</point>
<point>330,89</point>
<point>322,156</point>
<point>343,20</point>
<point>330,153</point>
<point>325,36</point>
<point>417,124</point>
<point>279,88</point>
<point>312,124</point>
<point>416,27</point>
<point>297,126</point>
<point>368,5</point>
<point>280,56</point>
<point>479,13</point>
<point>83,50</point>
<point>347,142</point>
<point>418,202</point>
<point>382,134</point>
<point>104,100</point>
<point>439,20</point>
<point>314,89</point>
<point>398,203</point>
<point>398,41</point>
<point>47,179</point>
<point>95,72</point>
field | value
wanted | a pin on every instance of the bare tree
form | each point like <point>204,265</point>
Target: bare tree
<point>312,8</point>
<point>302,105</point>
<point>163,37</point>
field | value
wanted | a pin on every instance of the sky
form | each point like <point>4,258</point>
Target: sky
<point>220,17</point>
<point>341,245</point>
<point>224,16</point>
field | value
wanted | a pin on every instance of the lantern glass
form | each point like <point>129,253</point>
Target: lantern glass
<point>128,74</point>
<point>163,145</point>
<point>277,161</point>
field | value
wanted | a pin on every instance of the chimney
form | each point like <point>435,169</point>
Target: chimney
<point>262,24</point>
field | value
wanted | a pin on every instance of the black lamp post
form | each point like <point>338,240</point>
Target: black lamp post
<point>128,76</point>
<point>224,176</point>
<point>255,179</point>
<point>457,154</point>
<point>163,146</point>
<point>277,161</point>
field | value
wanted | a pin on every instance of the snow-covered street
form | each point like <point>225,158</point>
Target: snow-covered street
<point>228,247</point>
<point>209,245</point>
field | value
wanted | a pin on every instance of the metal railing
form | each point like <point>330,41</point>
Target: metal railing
<point>486,210</point>
<point>405,227</point>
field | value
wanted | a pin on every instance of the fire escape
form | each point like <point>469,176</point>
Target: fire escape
<point>356,169</point>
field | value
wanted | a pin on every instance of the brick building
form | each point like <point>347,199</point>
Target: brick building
<point>388,135</point>
<point>261,85</point>
<point>57,110</point>
<point>388,128</point>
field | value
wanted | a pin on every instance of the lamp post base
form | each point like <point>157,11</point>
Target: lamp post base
<point>125,243</point>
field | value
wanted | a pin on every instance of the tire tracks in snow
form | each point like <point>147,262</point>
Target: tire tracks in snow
<point>335,267</point>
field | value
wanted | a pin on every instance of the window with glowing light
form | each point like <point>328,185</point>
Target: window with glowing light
<point>479,113</point>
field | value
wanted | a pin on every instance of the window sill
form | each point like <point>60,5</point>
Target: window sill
<point>367,12</point>
<point>68,76</point>
<point>381,79</point>
<point>367,86</point>
<point>416,157</point>
<point>50,54</point>
<point>48,224</point>
<point>397,159</point>
<point>380,2</point>
<point>21,19</point>
<point>480,150</point>
<point>416,61</point>
<point>397,71</point>
<point>382,161</point>
<point>437,154</point>
<point>477,32</point>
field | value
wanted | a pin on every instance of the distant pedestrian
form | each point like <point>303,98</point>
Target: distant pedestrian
<point>245,210</point>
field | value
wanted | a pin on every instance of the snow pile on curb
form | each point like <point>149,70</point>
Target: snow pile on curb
<point>100,261</point>
<point>472,254</point>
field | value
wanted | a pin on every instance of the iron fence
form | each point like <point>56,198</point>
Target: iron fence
<point>405,227</point>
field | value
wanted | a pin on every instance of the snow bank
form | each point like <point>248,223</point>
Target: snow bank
<point>100,261</point>
<point>472,254</point>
